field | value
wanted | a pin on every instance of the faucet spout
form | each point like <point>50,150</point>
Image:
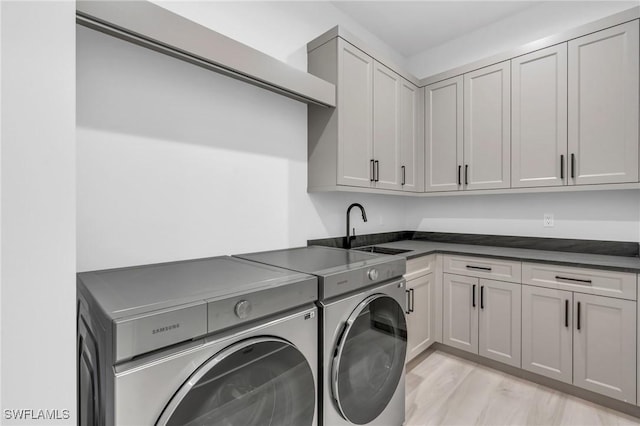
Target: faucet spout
<point>350,238</point>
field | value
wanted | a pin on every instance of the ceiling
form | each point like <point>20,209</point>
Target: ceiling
<point>410,27</point>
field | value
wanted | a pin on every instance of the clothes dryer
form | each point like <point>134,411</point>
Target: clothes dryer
<point>217,341</point>
<point>363,331</point>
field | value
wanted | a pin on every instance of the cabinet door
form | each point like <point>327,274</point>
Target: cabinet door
<point>603,106</point>
<point>547,332</point>
<point>443,135</point>
<point>539,118</point>
<point>499,321</point>
<point>487,127</point>
<point>460,323</point>
<point>420,319</point>
<point>355,113</point>
<point>386,127</point>
<point>604,346</point>
<point>411,140</point>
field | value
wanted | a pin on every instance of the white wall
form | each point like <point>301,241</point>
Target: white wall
<point>177,162</point>
<point>37,177</point>
<point>587,215</point>
<point>539,21</point>
<point>278,28</point>
<point>598,215</point>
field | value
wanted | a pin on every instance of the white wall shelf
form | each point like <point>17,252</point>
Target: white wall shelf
<point>154,27</point>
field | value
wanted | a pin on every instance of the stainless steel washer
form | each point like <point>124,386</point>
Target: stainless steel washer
<point>217,341</point>
<point>363,332</point>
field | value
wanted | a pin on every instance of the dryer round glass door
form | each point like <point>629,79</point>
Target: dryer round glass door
<point>369,359</point>
<point>259,381</point>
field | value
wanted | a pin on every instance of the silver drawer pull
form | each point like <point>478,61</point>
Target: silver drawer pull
<point>558,277</point>
<point>482,268</point>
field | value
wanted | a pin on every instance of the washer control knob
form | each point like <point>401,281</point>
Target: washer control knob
<point>373,274</point>
<point>242,309</point>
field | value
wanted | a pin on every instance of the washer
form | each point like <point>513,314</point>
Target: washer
<point>218,341</point>
<point>362,328</point>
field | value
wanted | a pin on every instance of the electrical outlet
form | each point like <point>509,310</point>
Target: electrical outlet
<point>548,220</point>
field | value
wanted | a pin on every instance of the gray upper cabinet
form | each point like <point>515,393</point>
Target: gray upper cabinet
<point>443,135</point>
<point>603,106</point>
<point>539,118</point>
<point>411,137</point>
<point>374,138</point>
<point>340,140</point>
<point>355,107</point>
<point>386,127</point>
<point>487,127</point>
<point>605,346</point>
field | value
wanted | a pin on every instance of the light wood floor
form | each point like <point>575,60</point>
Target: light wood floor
<point>443,389</point>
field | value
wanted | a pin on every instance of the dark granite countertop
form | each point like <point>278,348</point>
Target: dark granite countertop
<point>420,248</point>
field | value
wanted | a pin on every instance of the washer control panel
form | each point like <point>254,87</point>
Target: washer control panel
<point>242,309</point>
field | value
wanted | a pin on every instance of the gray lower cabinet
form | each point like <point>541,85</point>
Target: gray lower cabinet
<point>421,308</point>
<point>603,106</point>
<point>547,332</point>
<point>482,316</point>
<point>460,310</point>
<point>581,339</point>
<point>499,321</point>
<point>604,346</point>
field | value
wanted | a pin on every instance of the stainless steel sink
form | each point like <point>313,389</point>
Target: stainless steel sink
<point>382,250</point>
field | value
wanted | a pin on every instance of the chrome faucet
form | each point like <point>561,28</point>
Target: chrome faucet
<point>349,238</point>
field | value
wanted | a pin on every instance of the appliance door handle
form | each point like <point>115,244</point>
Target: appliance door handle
<point>404,175</point>
<point>481,297</point>
<point>473,296</point>
<point>566,313</point>
<point>372,177</point>
<point>562,166</point>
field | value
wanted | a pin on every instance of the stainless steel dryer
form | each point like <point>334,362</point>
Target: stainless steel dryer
<point>362,328</point>
<point>217,341</point>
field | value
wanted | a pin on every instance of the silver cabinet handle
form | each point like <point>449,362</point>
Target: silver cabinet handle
<point>404,175</point>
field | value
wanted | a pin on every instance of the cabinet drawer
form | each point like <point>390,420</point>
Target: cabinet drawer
<point>420,266</point>
<point>582,280</point>
<point>495,269</point>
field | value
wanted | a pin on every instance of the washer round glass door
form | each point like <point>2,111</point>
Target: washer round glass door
<point>260,381</point>
<point>369,360</point>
